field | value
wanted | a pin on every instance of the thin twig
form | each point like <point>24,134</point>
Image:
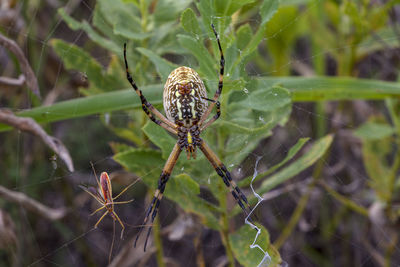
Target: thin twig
<point>29,125</point>
<point>32,205</point>
<point>31,80</point>
<point>12,81</point>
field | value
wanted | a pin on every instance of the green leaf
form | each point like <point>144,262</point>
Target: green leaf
<point>189,22</point>
<point>393,106</point>
<point>200,52</point>
<point>93,35</point>
<point>124,18</point>
<point>292,152</point>
<point>266,100</point>
<point>302,89</point>
<point>243,36</point>
<point>125,27</point>
<point>375,154</point>
<point>159,137</point>
<point>79,107</point>
<point>373,43</point>
<point>268,10</point>
<point>333,88</point>
<point>246,120</point>
<point>228,7</point>
<point>119,147</point>
<point>167,10</point>
<point>281,37</point>
<point>309,158</point>
<point>163,66</point>
<point>207,12</point>
<point>146,163</point>
<point>374,131</point>
<point>377,147</point>
<point>241,240</point>
<point>184,190</point>
<point>77,59</point>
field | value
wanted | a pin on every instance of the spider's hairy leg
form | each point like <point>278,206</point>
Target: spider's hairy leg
<point>215,117</point>
<point>146,106</point>
<point>120,222</point>
<point>220,82</point>
<point>226,177</point>
<point>101,218</point>
<point>162,182</point>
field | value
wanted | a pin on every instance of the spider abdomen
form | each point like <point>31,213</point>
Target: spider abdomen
<point>184,97</point>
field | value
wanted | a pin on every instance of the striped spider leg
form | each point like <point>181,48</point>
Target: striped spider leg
<point>186,108</point>
<point>104,197</point>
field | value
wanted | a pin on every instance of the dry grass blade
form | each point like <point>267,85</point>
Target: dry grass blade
<point>29,125</point>
<point>32,205</point>
<point>30,77</point>
<point>12,81</point>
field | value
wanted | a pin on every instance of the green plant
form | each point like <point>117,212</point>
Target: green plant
<point>252,106</point>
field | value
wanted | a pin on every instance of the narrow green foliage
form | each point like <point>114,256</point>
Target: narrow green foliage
<point>189,22</point>
<point>374,131</point>
<point>292,152</point>
<point>316,152</point>
<point>184,190</point>
<point>159,137</point>
<point>333,88</point>
<point>241,240</point>
<point>207,63</point>
<point>162,66</point>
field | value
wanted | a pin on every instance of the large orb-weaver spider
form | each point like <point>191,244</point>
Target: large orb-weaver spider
<point>186,106</point>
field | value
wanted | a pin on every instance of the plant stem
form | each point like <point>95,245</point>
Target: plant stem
<point>345,201</point>
<point>390,249</point>
<point>224,232</point>
<point>158,243</point>
<point>295,217</point>
<point>302,203</point>
<point>392,178</point>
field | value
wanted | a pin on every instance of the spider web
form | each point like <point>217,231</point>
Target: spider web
<point>99,239</point>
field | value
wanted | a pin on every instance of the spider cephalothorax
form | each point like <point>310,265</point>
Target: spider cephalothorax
<point>187,110</point>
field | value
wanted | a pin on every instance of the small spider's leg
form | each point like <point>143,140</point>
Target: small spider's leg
<point>101,201</point>
<point>95,175</point>
<point>226,176</point>
<point>220,83</point>
<point>99,209</point>
<point>126,188</point>
<point>162,182</point>
<point>123,202</point>
<point>101,218</point>
<point>146,106</point>
<point>120,222</point>
<point>215,117</point>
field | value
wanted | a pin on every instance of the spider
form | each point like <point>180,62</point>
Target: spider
<point>104,197</point>
<point>186,107</point>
